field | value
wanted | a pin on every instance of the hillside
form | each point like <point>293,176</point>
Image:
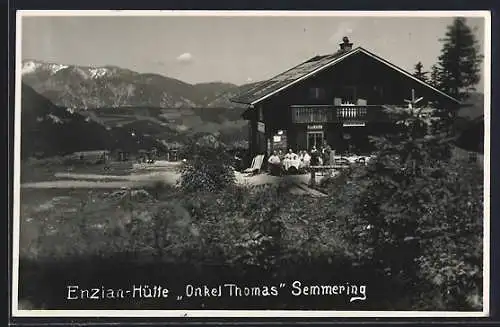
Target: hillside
<point>223,99</point>
<point>47,130</point>
<point>209,93</point>
<point>85,87</point>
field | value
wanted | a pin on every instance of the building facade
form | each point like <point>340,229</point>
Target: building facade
<point>337,99</point>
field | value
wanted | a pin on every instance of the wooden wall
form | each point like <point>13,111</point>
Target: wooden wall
<point>374,81</point>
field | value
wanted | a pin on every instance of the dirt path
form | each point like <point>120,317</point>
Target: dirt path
<point>134,177</point>
<point>86,184</point>
<point>71,180</point>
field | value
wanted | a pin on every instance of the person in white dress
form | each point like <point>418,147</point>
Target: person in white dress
<point>306,159</point>
<point>291,155</point>
<point>274,164</point>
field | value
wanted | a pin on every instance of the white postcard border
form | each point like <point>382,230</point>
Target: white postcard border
<point>16,312</point>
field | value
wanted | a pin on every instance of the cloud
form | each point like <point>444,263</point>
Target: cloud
<point>344,29</point>
<point>186,57</point>
<point>249,79</point>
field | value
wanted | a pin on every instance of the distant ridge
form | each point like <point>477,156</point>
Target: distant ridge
<point>85,87</point>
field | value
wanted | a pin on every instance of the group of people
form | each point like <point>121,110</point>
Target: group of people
<point>323,156</point>
<point>148,156</point>
<point>280,162</point>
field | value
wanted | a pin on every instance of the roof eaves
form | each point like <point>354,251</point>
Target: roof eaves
<point>235,100</point>
<point>382,60</point>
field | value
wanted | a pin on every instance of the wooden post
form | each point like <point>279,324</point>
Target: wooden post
<point>254,139</point>
<point>312,182</point>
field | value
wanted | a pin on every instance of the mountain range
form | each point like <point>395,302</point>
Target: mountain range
<point>89,108</point>
<point>86,87</point>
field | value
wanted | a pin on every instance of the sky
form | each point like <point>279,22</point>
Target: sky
<point>229,49</point>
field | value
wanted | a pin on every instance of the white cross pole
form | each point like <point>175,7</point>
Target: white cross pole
<point>413,100</point>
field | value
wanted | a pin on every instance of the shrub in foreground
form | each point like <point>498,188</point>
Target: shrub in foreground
<point>208,166</point>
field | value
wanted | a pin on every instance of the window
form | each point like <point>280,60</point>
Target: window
<point>317,93</point>
<point>378,90</point>
<point>349,94</point>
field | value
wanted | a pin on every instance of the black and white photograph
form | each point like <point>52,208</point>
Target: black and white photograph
<point>252,164</point>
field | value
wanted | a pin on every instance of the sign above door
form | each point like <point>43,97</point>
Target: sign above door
<point>314,127</point>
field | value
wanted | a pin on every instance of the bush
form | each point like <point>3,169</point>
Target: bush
<point>208,166</point>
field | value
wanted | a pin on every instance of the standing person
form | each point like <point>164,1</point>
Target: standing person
<point>314,156</point>
<point>281,155</point>
<point>154,154</point>
<point>105,160</point>
<point>332,157</point>
<point>326,154</point>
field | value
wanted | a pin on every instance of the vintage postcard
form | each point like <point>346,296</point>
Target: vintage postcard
<point>252,164</point>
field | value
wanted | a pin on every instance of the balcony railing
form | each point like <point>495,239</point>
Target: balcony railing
<point>338,114</point>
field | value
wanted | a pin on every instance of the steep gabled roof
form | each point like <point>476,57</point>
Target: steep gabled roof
<point>288,78</point>
<point>309,68</point>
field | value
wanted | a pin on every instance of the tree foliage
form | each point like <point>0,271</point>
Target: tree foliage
<point>419,73</point>
<point>457,71</point>
<point>418,217</point>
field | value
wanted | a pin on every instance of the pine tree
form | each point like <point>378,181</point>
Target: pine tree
<point>419,73</point>
<point>435,76</point>
<point>458,69</point>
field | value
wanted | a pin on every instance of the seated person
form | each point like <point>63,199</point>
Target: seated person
<point>274,163</point>
<point>237,162</point>
<point>306,159</point>
<point>290,155</point>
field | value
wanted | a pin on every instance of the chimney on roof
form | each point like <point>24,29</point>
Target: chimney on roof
<point>345,45</point>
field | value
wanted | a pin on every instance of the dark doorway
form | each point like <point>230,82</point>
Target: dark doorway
<point>315,139</point>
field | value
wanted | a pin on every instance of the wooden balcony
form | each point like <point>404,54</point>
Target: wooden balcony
<point>338,114</point>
